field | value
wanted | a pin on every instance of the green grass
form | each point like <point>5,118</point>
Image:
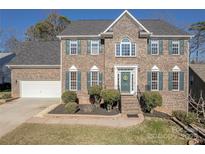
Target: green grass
<point>151,131</point>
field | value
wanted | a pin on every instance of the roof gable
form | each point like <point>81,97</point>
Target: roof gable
<point>132,17</point>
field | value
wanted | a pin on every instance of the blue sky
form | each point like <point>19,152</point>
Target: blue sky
<point>18,21</point>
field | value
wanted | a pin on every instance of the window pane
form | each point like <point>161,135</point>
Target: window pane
<point>118,49</point>
<point>73,80</point>
<point>154,47</point>
<point>94,78</point>
<point>133,49</point>
<point>175,47</point>
<point>154,79</point>
<point>73,47</point>
<point>95,47</point>
<point>125,49</point>
<point>175,81</point>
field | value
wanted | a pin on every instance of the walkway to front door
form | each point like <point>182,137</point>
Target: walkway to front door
<point>126,79</point>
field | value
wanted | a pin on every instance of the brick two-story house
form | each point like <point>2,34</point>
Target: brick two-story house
<point>126,54</point>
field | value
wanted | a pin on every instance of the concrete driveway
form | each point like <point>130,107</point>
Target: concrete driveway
<point>14,113</point>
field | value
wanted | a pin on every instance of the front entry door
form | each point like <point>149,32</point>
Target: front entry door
<point>125,82</point>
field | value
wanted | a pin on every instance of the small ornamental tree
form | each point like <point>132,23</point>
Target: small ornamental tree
<point>150,100</point>
<point>69,96</point>
<point>95,92</point>
<point>110,96</point>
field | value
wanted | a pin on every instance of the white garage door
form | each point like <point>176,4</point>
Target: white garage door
<point>40,89</point>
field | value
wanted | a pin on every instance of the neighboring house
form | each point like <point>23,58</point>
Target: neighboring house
<point>197,80</point>
<point>5,72</point>
<point>126,54</point>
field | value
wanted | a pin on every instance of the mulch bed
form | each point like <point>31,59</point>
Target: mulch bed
<point>87,109</point>
<point>157,114</point>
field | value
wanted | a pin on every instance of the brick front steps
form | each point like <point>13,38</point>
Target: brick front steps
<point>130,105</point>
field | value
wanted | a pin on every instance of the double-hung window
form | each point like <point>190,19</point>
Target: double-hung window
<point>94,76</point>
<point>73,47</point>
<point>175,47</point>
<point>175,80</point>
<point>73,81</point>
<point>125,48</point>
<point>95,47</point>
<point>154,47</point>
<point>154,80</point>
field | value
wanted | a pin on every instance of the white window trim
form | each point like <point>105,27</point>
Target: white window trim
<point>130,55</point>
<point>157,47</point>
<point>76,80</point>
<point>135,71</point>
<point>91,80</point>
<point>92,42</point>
<point>73,42</point>
<point>176,42</point>
<point>178,80</point>
<point>157,81</point>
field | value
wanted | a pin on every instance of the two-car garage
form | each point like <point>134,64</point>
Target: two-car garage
<point>40,89</point>
<point>35,70</point>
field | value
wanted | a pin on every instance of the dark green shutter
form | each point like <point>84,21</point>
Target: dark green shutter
<point>79,47</point>
<point>160,47</point>
<point>89,46</point>
<point>88,80</point>
<point>100,79</point>
<point>170,78</point>
<point>181,81</point>
<point>160,80</point>
<point>170,46</point>
<point>149,47</point>
<point>67,80</point>
<point>67,46</point>
<point>79,80</point>
<point>148,81</point>
<point>181,47</point>
<point>100,47</point>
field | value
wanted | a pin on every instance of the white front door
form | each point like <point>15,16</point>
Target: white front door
<point>40,89</point>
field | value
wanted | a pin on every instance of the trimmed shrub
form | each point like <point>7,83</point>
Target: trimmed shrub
<point>71,107</point>
<point>150,100</point>
<point>6,96</point>
<point>69,96</point>
<point>110,96</point>
<point>184,117</point>
<point>95,92</point>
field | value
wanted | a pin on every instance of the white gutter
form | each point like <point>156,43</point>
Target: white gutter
<point>172,36</point>
<point>71,36</point>
<point>33,66</point>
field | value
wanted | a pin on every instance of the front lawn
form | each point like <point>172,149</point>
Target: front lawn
<point>151,131</point>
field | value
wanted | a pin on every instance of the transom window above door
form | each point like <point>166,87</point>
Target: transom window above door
<point>125,48</point>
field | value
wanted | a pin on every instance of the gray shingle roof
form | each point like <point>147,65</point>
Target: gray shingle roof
<point>95,27</point>
<point>199,69</point>
<point>37,53</point>
<point>160,27</point>
<point>86,27</point>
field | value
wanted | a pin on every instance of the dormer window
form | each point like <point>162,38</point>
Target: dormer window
<point>125,48</point>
